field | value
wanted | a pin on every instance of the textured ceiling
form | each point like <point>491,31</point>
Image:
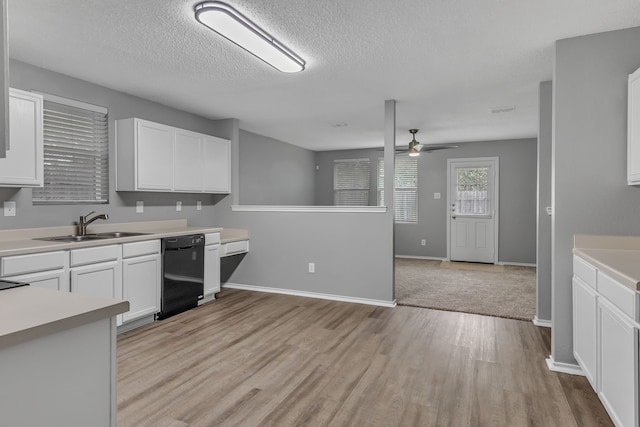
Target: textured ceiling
<point>446,62</point>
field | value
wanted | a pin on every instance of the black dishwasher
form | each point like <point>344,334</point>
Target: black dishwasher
<point>182,274</point>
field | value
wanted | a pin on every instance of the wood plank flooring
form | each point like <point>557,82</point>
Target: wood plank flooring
<point>258,359</point>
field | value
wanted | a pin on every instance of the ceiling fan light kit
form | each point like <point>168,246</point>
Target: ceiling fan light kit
<point>413,151</point>
<point>237,28</point>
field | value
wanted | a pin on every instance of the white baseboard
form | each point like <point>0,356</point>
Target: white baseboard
<point>518,264</point>
<point>136,323</point>
<point>565,368</point>
<point>433,258</point>
<point>310,294</point>
<point>542,323</point>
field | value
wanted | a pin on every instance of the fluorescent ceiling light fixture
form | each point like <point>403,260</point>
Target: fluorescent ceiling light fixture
<point>231,24</point>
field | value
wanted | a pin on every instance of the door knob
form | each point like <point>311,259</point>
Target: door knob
<point>453,217</point>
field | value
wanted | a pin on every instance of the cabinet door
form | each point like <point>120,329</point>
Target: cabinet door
<point>211,269</point>
<point>618,364</point>
<point>154,156</point>
<point>23,166</point>
<point>141,286</point>
<point>216,154</point>
<point>57,280</point>
<point>188,161</point>
<point>585,311</point>
<point>102,280</point>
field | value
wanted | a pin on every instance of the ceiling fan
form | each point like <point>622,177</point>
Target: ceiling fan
<point>415,148</point>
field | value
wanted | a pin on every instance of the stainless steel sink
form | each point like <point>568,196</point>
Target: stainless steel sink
<point>116,234</point>
<point>86,237</point>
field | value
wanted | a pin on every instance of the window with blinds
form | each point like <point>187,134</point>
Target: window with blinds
<point>351,182</point>
<point>405,188</point>
<point>76,153</point>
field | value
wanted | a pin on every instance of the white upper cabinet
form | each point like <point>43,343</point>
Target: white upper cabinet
<point>153,156</point>
<point>156,157</point>
<point>23,165</point>
<point>633,129</point>
<point>216,154</point>
<point>187,172</point>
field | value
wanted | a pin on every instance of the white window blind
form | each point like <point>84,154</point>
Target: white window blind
<point>351,182</point>
<point>76,153</point>
<point>405,188</point>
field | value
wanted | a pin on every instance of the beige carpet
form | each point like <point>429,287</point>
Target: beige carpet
<point>510,293</point>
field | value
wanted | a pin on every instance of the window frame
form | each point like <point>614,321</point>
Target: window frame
<point>397,190</point>
<point>71,127</point>
<point>361,184</point>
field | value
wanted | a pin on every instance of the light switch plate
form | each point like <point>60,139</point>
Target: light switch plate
<point>436,196</point>
<point>10,208</point>
<point>178,206</point>
<point>139,206</point>
<point>199,205</point>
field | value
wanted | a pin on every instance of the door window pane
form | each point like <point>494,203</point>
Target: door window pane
<point>472,191</point>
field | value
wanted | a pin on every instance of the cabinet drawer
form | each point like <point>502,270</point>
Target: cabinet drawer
<point>95,255</point>
<point>586,272</point>
<point>148,247</point>
<point>32,263</point>
<point>619,295</point>
<point>212,238</point>
<point>233,248</point>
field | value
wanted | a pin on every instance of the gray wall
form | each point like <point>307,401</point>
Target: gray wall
<point>273,172</point>
<point>517,230</point>
<point>543,253</point>
<point>121,207</point>
<point>590,194</point>
<point>324,174</point>
<point>353,252</point>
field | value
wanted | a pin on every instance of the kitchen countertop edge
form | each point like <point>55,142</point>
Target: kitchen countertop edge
<point>49,312</point>
<point>621,263</point>
<point>31,246</point>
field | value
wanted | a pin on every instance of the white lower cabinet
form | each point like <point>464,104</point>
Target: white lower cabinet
<point>211,267</point>
<point>618,364</point>
<point>97,272</point>
<point>584,332</point>
<point>141,276</point>
<point>44,270</point>
<point>605,339</point>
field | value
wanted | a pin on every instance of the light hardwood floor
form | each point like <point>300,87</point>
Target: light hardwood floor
<point>252,359</point>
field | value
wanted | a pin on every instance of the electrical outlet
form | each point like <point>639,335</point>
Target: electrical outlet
<point>178,206</point>
<point>198,205</point>
<point>423,242</point>
<point>312,267</point>
<point>139,206</point>
<point>10,208</point>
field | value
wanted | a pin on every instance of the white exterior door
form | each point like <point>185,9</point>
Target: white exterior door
<point>472,222</point>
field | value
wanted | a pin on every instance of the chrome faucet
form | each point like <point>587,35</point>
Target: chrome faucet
<point>82,224</point>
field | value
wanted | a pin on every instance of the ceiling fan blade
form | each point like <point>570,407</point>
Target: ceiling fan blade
<point>429,148</point>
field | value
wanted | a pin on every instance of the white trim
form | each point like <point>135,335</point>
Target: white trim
<point>517,264</point>
<point>72,102</point>
<point>434,258</point>
<point>310,295</point>
<point>541,323</point>
<point>310,209</point>
<point>565,368</point>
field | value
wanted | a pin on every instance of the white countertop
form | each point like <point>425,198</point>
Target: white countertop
<point>21,241</point>
<point>28,312</point>
<point>616,256</point>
